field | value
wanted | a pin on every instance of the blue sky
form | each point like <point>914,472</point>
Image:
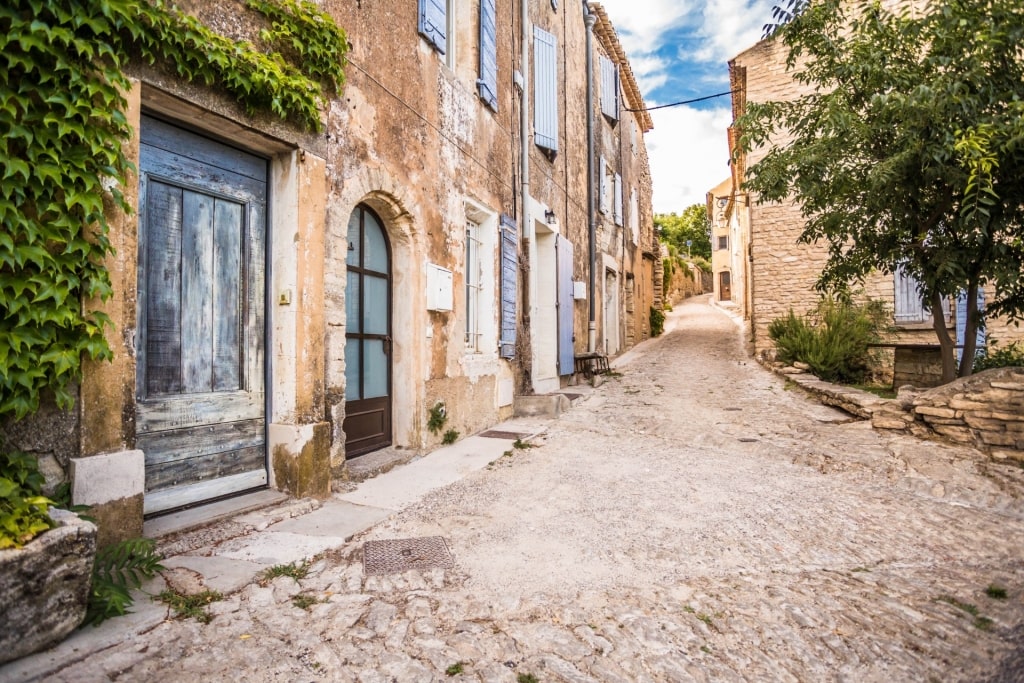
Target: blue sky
<point>679,50</point>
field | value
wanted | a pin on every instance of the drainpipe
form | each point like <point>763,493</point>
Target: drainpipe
<point>526,231</point>
<point>590,20</point>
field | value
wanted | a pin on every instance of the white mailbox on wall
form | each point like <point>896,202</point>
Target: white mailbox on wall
<point>440,296</point>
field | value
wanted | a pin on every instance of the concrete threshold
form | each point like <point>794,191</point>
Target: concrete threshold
<point>252,533</point>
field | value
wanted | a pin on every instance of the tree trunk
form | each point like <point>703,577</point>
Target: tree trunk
<point>946,344</point>
<point>970,332</point>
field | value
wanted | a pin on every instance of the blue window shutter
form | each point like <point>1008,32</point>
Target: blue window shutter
<point>617,206</point>
<point>509,284</point>
<point>602,185</point>
<point>487,85</point>
<point>908,305</point>
<point>564,300</point>
<point>434,23</point>
<point>545,89</point>
<point>609,88</point>
<point>961,324</point>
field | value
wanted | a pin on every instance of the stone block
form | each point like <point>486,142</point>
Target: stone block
<point>959,434</point>
<point>301,458</point>
<point>999,439</point>
<point>44,586</point>
<point>111,484</point>
<point>935,411</point>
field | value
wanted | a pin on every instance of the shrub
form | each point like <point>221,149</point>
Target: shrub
<point>657,322</point>
<point>24,511</point>
<point>667,272</point>
<point>833,340</point>
<point>1011,356</point>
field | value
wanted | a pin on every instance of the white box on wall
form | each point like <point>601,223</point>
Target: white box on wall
<point>579,289</point>
<point>440,296</point>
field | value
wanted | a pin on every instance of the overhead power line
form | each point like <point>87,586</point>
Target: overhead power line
<point>676,104</point>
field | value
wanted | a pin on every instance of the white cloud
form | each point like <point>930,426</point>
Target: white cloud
<point>689,155</point>
<point>731,26</point>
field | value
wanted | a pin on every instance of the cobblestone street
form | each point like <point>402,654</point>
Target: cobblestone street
<point>693,519</point>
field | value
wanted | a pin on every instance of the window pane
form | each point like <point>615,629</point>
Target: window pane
<point>375,256</point>
<point>352,302</point>
<point>375,379</point>
<point>352,365</point>
<point>375,305</point>
<point>354,245</point>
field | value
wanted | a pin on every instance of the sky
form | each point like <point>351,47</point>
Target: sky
<point>679,50</point>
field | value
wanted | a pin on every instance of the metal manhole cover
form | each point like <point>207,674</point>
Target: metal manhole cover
<point>399,554</point>
<point>497,434</point>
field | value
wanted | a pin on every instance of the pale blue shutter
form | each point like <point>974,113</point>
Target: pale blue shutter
<point>487,85</point>
<point>602,185</point>
<point>908,305</point>
<point>545,90</point>
<point>434,23</point>
<point>566,352</point>
<point>509,280</point>
<point>961,324</point>
<point>609,88</point>
<point>617,206</point>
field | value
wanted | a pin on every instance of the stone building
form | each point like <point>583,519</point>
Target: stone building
<point>286,301</point>
<point>782,273</point>
<point>729,235</point>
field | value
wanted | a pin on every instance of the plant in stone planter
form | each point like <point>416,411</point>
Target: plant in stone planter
<point>23,508</point>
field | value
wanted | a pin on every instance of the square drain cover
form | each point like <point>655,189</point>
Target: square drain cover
<point>399,554</point>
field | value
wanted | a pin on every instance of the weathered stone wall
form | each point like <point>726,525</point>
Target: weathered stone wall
<point>985,410</point>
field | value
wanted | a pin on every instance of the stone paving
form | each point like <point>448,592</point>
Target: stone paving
<point>690,520</point>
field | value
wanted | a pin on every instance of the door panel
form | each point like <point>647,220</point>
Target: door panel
<point>367,424</point>
<point>200,404</point>
<point>566,351</point>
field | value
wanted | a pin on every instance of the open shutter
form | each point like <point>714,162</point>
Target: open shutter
<point>509,280</point>
<point>566,352</point>
<point>609,88</point>
<point>961,324</point>
<point>487,85</point>
<point>545,90</point>
<point>434,22</point>
<point>617,206</point>
<point>602,184</point>
<point>908,305</point>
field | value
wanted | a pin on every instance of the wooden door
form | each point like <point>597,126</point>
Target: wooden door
<point>200,342</point>
<point>367,423</point>
<point>724,286</point>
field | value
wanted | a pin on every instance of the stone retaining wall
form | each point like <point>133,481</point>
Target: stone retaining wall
<point>985,410</point>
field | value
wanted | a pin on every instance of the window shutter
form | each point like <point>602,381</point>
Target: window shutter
<point>617,207</point>
<point>545,90</point>
<point>609,88</point>
<point>434,22</point>
<point>908,305</point>
<point>509,280</point>
<point>602,185</point>
<point>487,85</point>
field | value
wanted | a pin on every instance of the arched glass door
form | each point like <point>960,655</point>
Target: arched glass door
<point>368,335</point>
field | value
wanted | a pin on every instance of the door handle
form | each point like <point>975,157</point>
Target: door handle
<point>387,345</point>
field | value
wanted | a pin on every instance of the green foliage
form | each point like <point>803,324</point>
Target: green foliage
<point>657,322</point>
<point>116,570</point>
<point>692,225</point>
<point>667,270</point>
<point>996,592</point>
<point>994,357</point>
<point>24,511</point>
<point>833,340</point>
<point>305,601</point>
<point>455,669</point>
<point>63,126</point>
<point>295,571</point>
<point>905,150</point>
<point>437,416</point>
<point>450,437</point>
<point>190,606</point>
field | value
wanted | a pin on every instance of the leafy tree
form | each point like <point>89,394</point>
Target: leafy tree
<point>907,150</point>
<point>691,225</point>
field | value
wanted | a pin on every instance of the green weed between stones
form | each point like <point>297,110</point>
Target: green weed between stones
<point>982,623</point>
<point>305,601</point>
<point>296,571</point>
<point>526,678</point>
<point>190,606</point>
<point>455,669</point>
<point>995,592</point>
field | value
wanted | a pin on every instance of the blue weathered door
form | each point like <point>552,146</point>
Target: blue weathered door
<point>200,415</point>
<point>566,353</point>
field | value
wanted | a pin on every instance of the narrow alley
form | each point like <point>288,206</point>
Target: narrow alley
<point>691,519</point>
